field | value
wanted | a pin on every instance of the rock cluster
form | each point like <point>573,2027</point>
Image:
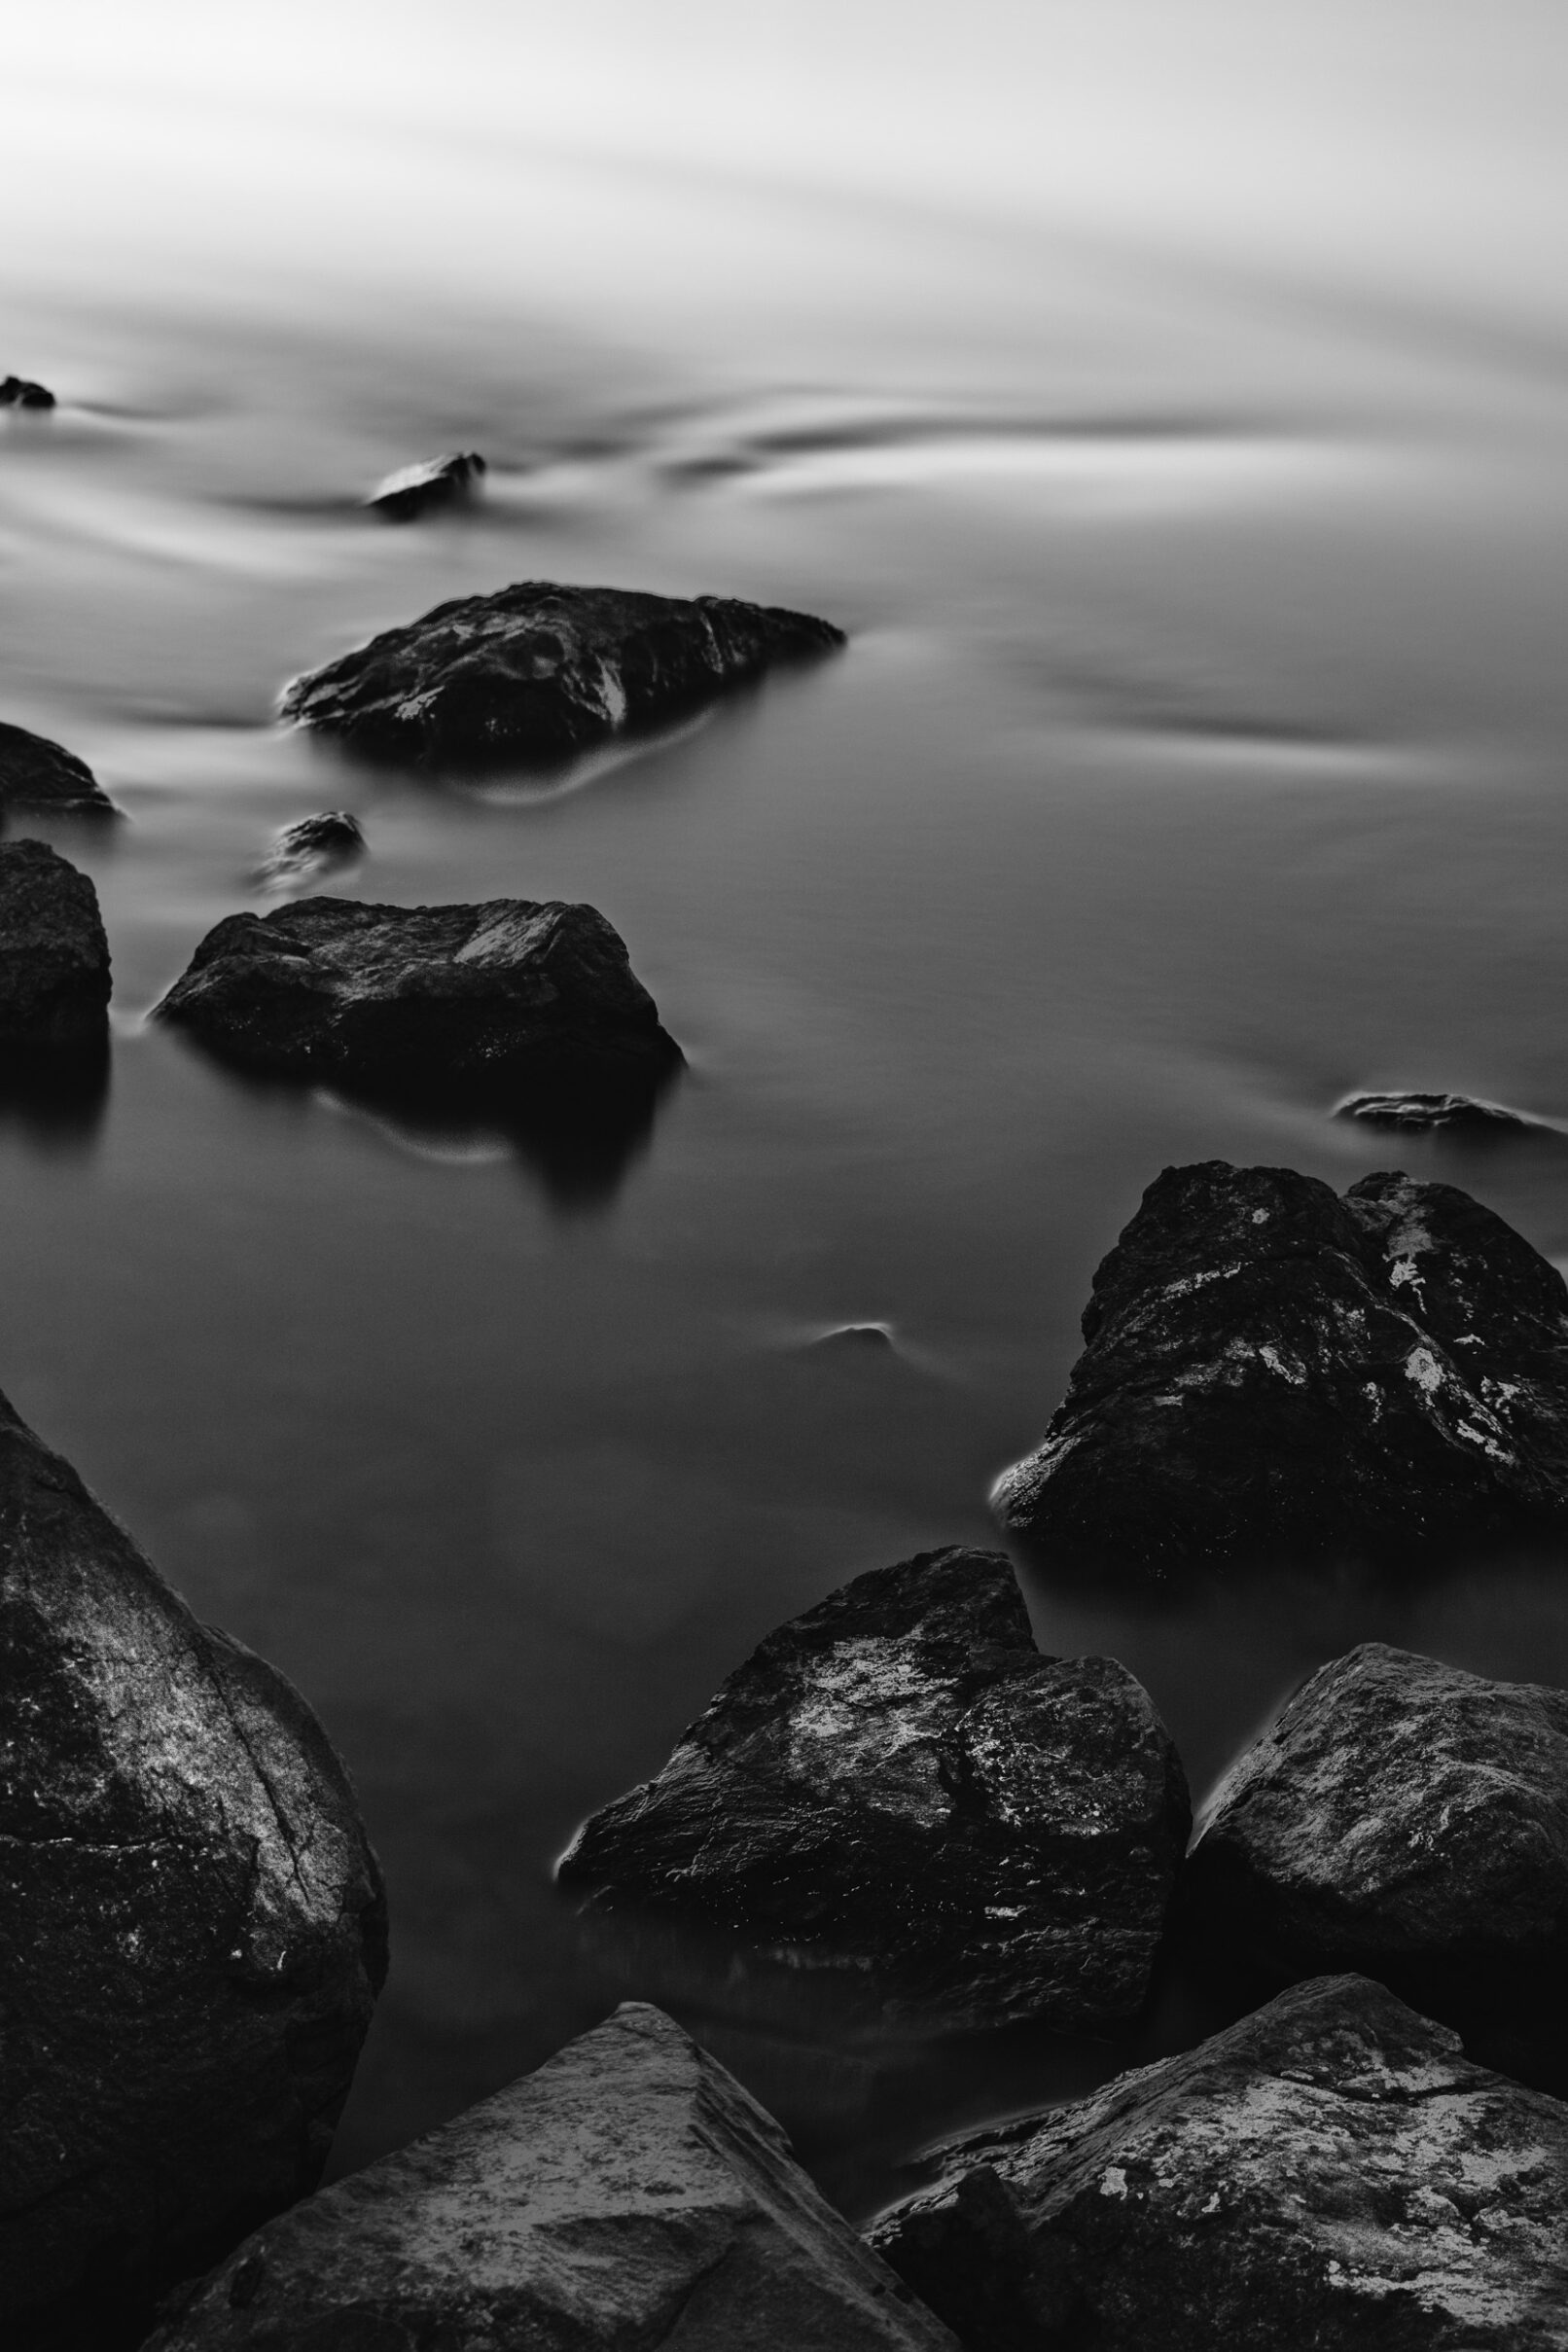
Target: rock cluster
<point>36,774</point>
<point>414,490</point>
<point>53,954</point>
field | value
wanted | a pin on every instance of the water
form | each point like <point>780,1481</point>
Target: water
<point>1196,760</point>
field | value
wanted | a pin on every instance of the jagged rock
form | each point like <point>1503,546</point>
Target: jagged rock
<point>1439,1114</point>
<point>1331,2175</point>
<point>538,671</point>
<point>313,845</point>
<point>628,2195</point>
<point>191,1926</point>
<point>897,1782</point>
<point>1272,1372</point>
<point>54,952</point>
<point>506,1001</point>
<point>441,481</point>
<point>36,774</point>
<point>16,392</point>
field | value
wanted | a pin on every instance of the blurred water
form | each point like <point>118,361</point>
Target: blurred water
<point>1196,760</point>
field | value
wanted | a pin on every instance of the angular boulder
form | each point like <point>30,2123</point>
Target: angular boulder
<point>899,1783</point>
<point>628,2195</point>
<point>313,845</point>
<point>506,1002</point>
<point>192,1923</point>
<point>538,671</point>
<point>1331,2175</point>
<point>414,490</point>
<point>36,774</point>
<point>1439,1114</point>
<point>53,953</point>
<point>1273,1372</point>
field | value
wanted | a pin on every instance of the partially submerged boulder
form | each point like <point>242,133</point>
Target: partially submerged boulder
<point>420,489</point>
<point>1328,2173</point>
<point>899,1783</point>
<point>1272,1372</point>
<point>628,2195</point>
<point>506,1002</point>
<point>1439,1114</point>
<point>20,392</point>
<point>192,1923</point>
<point>53,954</point>
<point>538,671</point>
<point>36,774</point>
<point>313,845</point>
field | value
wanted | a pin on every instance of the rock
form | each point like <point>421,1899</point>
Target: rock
<point>36,774</point>
<point>313,845</point>
<point>15,392</point>
<point>1331,2175</point>
<point>629,2194</point>
<point>1273,1373</point>
<point>537,672</point>
<point>441,481</point>
<point>899,1783</point>
<point>856,1340</point>
<point>53,953</point>
<point>1439,1114</point>
<point>191,1924</point>
<point>504,1001</point>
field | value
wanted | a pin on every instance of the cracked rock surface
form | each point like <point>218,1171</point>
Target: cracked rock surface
<point>1274,1370</point>
<point>1331,2175</point>
<point>54,952</point>
<point>899,1782</point>
<point>36,774</point>
<point>191,1924</point>
<point>627,2197</point>
<point>539,671</point>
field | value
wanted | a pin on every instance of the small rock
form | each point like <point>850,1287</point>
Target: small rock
<point>53,953</point>
<point>15,392</point>
<point>853,1339</point>
<point>1272,1373</point>
<point>441,481</point>
<point>313,845</point>
<point>1330,2173</point>
<point>36,774</point>
<point>1437,1115</point>
<point>628,2195</point>
<point>538,671</point>
<point>899,1782</point>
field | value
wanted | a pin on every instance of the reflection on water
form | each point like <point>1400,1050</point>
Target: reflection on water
<point>55,1103</point>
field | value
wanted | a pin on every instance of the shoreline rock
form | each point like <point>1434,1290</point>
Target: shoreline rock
<point>1440,1115</point>
<point>55,980</point>
<point>423,489</point>
<point>39,774</point>
<point>310,845</point>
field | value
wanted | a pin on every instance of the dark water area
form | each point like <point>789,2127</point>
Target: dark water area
<point>1195,762</point>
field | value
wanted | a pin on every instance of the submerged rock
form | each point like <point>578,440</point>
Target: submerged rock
<point>1272,1372</point>
<point>192,1925</point>
<point>16,392</point>
<point>313,845</point>
<point>441,481</point>
<point>629,2194</point>
<point>1328,2173</point>
<point>508,1000</point>
<point>54,952</point>
<point>897,1782</point>
<point>1439,1114</point>
<point>853,1339</point>
<point>36,774</point>
<point>538,671</point>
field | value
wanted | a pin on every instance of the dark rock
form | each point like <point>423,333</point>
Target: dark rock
<point>36,774</point>
<point>1331,2175</point>
<point>537,671</point>
<point>1439,1114</point>
<point>899,1782</point>
<point>505,1000</point>
<point>15,392</point>
<point>191,1926</point>
<point>1273,1373</point>
<point>629,2194</point>
<point>53,953</point>
<point>853,1339</point>
<point>313,845</point>
<point>441,481</point>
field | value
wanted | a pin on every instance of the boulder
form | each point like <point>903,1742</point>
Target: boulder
<point>414,490</point>
<point>506,1002</point>
<point>898,1783</point>
<point>1331,2175</point>
<point>53,953</point>
<point>16,392</point>
<point>192,1923</point>
<point>313,845</point>
<point>538,672</point>
<point>628,2195</point>
<point>1272,1372</point>
<point>1439,1114</point>
<point>36,774</point>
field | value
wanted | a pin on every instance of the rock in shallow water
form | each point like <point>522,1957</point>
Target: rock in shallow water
<point>1331,2175</point>
<point>20,392</point>
<point>36,774</point>
<point>538,671</point>
<point>628,2195</point>
<point>1439,1114</point>
<point>313,845</point>
<point>191,1924</point>
<point>441,481</point>
<point>1273,1372</point>
<point>53,954</point>
<point>899,1782</point>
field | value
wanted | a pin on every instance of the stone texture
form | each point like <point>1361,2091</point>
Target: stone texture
<point>538,671</point>
<point>36,774</point>
<point>424,489</point>
<point>1439,1114</point>
<point>899,1783</point>
<point>629,2197</point>
<point>1331,2175</point>
<point>1273,1373</point>
<point>313,845</point>
<point>53,953</point>
<point>191,1926</point>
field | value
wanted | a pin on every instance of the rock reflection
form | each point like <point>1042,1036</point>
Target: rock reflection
<point>55,1103</point>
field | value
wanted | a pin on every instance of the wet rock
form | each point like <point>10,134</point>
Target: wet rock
<point>853,1341</point>
<point>509,999</point>
<point>1439,1114</point>
<point>899,1783</point>
<point>191,1928</point>
<point>1272,1372</point>
<point>53,953</point>
<point>441,481</point>
<point>313,845</point>
<point>1330,2173</point>
<point>537,671</point>
<point>16,392</point>
<point>627,2194</point>
<point>36,774</point>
